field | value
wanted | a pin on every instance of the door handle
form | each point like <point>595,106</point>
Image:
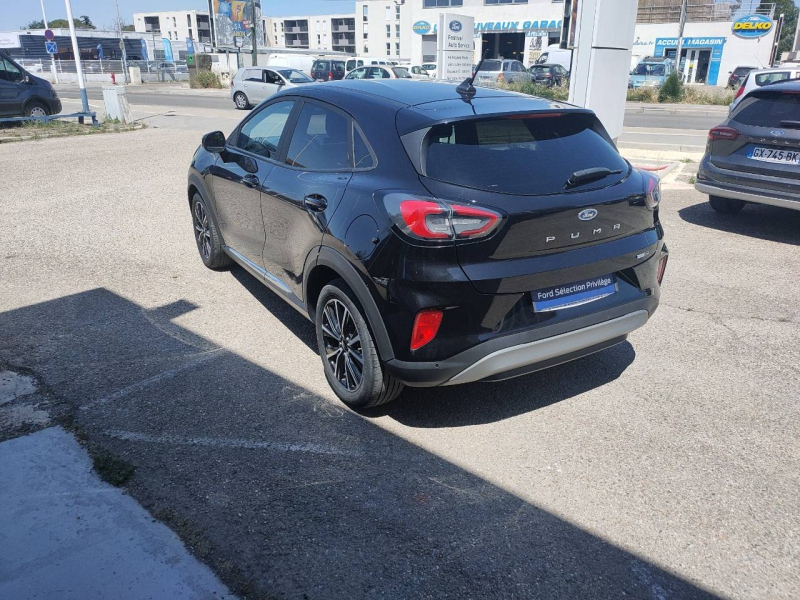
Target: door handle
<point>315,202</point>
<point>251,181</point>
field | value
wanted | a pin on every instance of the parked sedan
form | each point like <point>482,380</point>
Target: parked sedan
<point>379,72</point>
<point>252,85</point>
<point>549,75</point>
<point>417,72</point>
<point>494,71</point>
<point>404,223</point>
<point>754,155</point>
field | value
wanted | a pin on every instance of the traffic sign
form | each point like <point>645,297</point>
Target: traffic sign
<point>49,35</point>
<point>51,47</point>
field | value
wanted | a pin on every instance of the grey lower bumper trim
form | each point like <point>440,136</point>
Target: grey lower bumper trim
<point>523,355</point>
<point>712,190</point>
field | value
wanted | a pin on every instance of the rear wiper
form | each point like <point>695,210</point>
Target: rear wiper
<point>587,175</point>
<point>790,124</point>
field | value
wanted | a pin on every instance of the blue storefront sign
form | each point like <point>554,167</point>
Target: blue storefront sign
<point>715,44</point>
<point>752,26</point>
<point>423,27</point>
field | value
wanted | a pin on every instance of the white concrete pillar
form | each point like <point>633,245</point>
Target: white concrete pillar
<point>601,59</point>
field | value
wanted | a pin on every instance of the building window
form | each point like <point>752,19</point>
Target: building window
<point>510,1</point>
<point>366,36</point>
<point>397,30</point>
<point>366,49</point>
<point>388,13</point>
<point>388,49</point>
<point>397,12</point>
<point>388,31</point>
<point>365,12</point>
<point>319,39</point>
<point>440,3</point>
<point>191,37</point>
<point>174,22</point>
<point>397,48</point>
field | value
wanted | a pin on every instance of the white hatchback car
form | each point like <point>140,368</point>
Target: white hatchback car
<point>252,85</point>
<point>379,72</point>
<point>762,77</point>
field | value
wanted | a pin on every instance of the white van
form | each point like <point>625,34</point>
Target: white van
<point>360,61</point>
<point>554,55</point>
<point>301,62</point>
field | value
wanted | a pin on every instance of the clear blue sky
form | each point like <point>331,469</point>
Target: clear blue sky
<point>14,13</point>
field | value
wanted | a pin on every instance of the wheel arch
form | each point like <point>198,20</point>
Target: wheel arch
<point>331,265</point>
<point>38,102</point>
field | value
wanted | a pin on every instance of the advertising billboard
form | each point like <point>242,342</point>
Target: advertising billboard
<point>233,19</point>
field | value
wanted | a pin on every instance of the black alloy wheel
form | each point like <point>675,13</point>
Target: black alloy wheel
<point>207,237</point>
<point>342,345</point>
<point>202,231</point>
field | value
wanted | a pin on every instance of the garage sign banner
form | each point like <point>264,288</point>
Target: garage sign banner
<point>455,46</point>
<point>752,26</point>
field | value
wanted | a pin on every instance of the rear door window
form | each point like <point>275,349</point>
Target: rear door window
<point>253,75</point>
<point>321,65</point>
<point>769,110</point>
<point>320,140</point>
<point>519,155</point>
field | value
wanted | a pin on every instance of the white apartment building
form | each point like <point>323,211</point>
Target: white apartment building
<point>312,32</point>
<point>175,25</point>
<point>383,28</point>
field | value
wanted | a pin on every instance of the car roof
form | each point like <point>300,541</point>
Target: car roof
<point>422,103</point>
<point>788,85</point>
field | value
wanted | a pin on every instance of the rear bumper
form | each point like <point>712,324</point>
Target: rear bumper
<point>529,351</point>
<point>749,187</point>
<point>54,106</point>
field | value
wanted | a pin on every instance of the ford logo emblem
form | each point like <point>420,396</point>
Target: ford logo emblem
<point>587,215</point>
<point>778,132</point>
<point>456,26</point>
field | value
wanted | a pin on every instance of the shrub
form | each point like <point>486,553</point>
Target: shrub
<point>708,95</point>
<point>205,79</point>
<point>672,90</point>
<point>556,92</point>
<point>643,94</point>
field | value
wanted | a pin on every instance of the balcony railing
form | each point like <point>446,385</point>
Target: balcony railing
<point>669,12</point>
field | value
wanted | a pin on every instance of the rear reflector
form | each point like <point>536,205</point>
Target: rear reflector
<point>723,133</point>
<point>426,326</point>
<point>662,266</point>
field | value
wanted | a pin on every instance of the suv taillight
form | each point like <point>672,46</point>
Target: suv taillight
<point>435,220</point>
<point>740,91</point>
<point>653,196</point>
<point>723,133</point>
<point>330,76</point>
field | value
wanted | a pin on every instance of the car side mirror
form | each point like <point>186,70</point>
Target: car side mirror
<point>214,142</point>
<point>281,83</point>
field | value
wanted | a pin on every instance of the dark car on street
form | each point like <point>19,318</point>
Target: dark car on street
<point>549,75</point>
<point>433,237</point>
<point>754,155</point>
<point>327,70</point>
<point>738,75</point>
<point>23,94</point>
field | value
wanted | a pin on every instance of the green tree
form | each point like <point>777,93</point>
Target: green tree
<point>86,22</point>
<point>789,10</point>
<point>128,28</point>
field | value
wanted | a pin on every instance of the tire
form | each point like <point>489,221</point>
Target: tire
<point>376,386</point>
<point>241,101</point>
<point>207,236</point>
<point>36,109</point>
<point>726,206</point>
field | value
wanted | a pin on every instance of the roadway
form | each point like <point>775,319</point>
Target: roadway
<point>680,128</point>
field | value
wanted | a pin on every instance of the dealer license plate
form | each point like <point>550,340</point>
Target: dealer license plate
<point>573,294</point>
<point>770,155</point>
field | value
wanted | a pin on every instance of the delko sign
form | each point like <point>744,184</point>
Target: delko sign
<point>455,46</point>
<point>752,26</point>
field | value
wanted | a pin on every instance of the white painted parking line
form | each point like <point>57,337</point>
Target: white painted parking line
<point>180,440</point>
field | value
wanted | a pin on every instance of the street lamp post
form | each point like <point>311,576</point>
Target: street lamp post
<point>122,46</point>
<point>77,52</point>
<point>253,30</point>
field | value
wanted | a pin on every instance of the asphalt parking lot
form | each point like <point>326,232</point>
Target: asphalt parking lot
<point>666,467</point>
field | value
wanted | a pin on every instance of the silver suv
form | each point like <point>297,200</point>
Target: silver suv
<point>252,85</point>
<point>494,71</point>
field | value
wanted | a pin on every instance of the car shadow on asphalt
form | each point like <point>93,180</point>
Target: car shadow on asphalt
<point>769,223</point>
<point>285,493</point>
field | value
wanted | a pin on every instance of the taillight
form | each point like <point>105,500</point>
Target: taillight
<point>426,326</point>
<point>434,220</point>
<point>740,91</point>
<point>330,76</point>
<point>653,196</point>
<point>723,133</point>
<point>662,266</point>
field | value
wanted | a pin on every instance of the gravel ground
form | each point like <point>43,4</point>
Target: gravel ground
<point>666,467</point>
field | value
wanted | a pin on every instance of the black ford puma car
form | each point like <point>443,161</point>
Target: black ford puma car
<point>433,237</point>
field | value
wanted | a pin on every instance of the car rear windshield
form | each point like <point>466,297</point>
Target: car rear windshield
<point>321,65</point>
<point>522,154</point>
<point>649,69</point>
<point>491,65</point>
<point>742,71</point>
<point>769,110</point>
<point>767,78</point>
<point>401,72</point>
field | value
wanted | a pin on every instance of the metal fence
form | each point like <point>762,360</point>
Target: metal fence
<point>151,70</point>
<point>670,12</point>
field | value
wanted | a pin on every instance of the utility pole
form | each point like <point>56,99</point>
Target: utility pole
<point>122,46</point>
<point>253,29</point>
<point>77,52</point>
<point>681,25</point>
<point>52,58</point>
